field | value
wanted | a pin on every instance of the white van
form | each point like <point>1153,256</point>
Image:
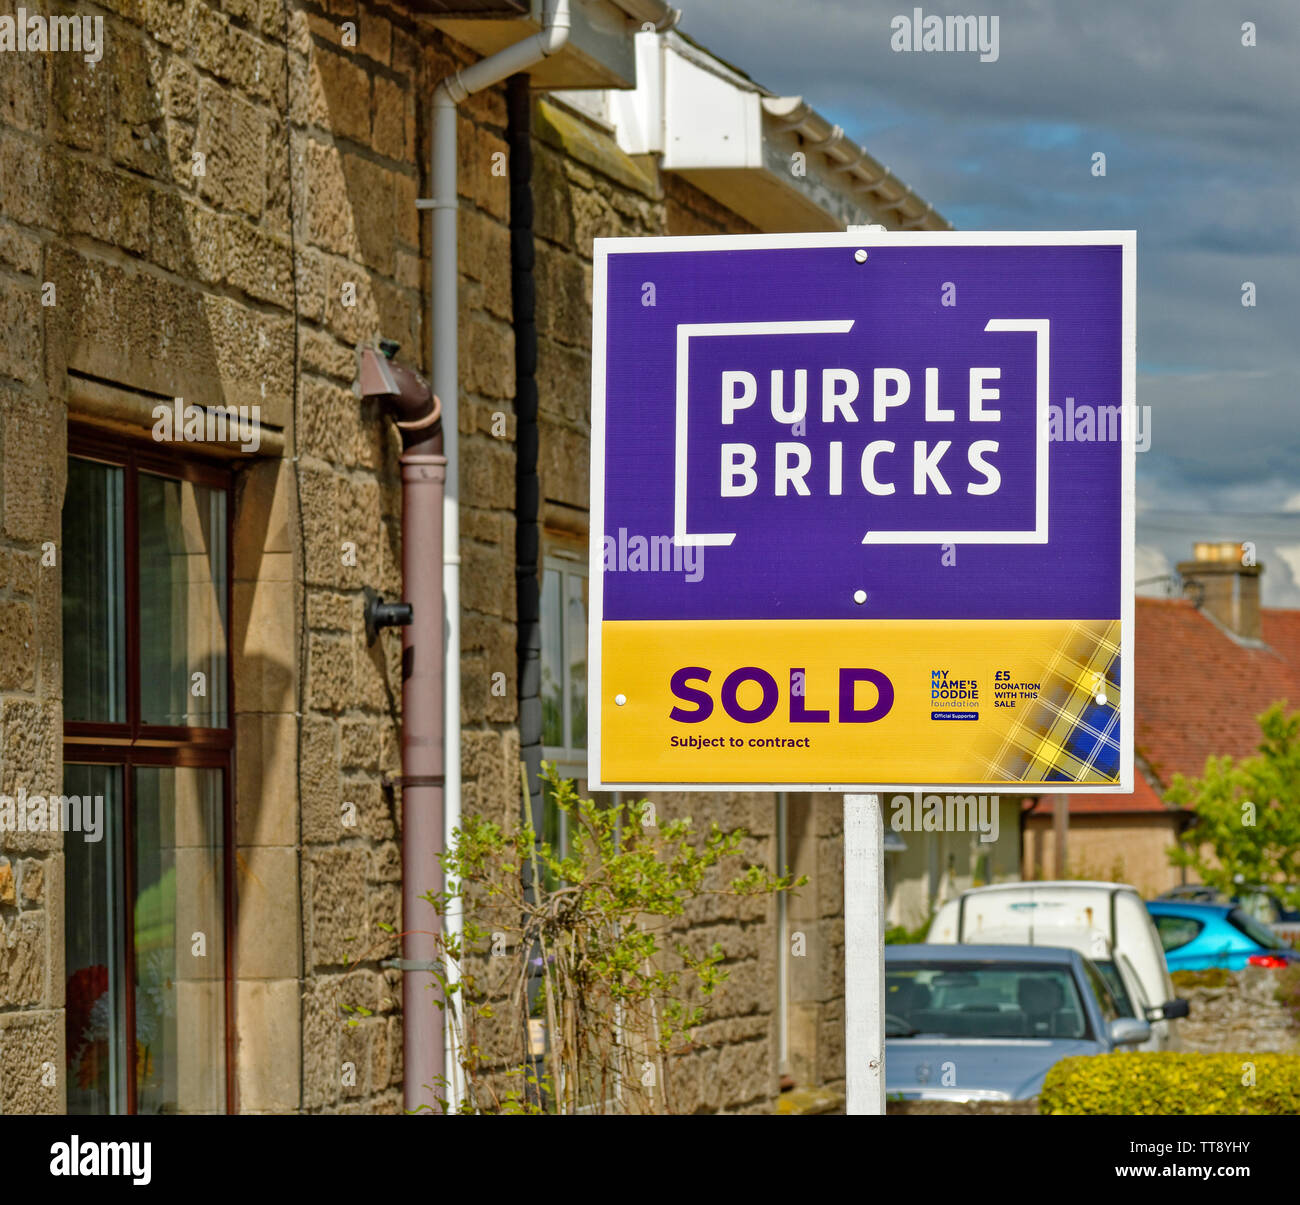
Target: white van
<point>1108,922</point>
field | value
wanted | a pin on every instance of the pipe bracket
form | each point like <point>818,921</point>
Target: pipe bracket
<point>380,614</point>
<point>414,780</point>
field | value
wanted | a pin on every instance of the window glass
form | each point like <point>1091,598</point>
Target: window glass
<point>1177,931</point>
<point>94,623</point>
<point>1110,972</point>
<point>575,640</point>
<point>182,528</point>
<point>564,661</point>
<point>969,1000</point>
<point>95,992</point>
<point>552,660</point>
<point>179,958</point>
<point>1101,989</point>
<point>1256,930</point>
<point>564,684</point>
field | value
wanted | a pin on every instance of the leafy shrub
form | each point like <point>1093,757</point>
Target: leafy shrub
<point>585,952</point>
<point>901,935</point>
<point>1212,977</point>
<point>1173,1084</point>
<point>1247,814</point>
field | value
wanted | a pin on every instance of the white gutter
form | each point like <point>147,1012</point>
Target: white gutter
<point>873,184</point>
<point>444,299</point>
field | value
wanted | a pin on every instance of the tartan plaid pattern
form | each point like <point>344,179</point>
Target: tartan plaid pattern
<point>1066,735</point>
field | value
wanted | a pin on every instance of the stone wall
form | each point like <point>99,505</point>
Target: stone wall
<point>1237,1010</point>
<point>223,208</point>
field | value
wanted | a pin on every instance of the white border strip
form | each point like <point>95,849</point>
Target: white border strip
<point>596,529</point>
<point>867,238</point>
<point>1128,505</point>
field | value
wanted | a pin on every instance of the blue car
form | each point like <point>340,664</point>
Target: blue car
<point>1197,937</point>
<point>987,1022</point>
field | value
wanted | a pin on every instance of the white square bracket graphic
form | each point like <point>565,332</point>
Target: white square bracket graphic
<point>1039,327</point>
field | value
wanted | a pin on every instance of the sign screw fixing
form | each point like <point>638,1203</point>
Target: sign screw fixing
<point>860,255</point>
<point>620,699</point>
<point>859,596</point>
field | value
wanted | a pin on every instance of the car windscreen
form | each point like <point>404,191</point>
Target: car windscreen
<point>1256,930</point>
<point>983,1000</point>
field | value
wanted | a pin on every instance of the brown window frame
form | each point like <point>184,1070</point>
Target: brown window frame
<point>133,743</point>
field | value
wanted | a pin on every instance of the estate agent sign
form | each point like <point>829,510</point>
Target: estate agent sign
<point>862,511</point>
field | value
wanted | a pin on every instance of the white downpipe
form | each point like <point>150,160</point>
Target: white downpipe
<point>444,293</point>
<point>445,371</point>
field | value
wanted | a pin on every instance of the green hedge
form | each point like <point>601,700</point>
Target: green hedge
<point>1173,1084</point>
<point>1211,977</point>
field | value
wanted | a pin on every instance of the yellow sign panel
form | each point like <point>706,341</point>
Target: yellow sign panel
<point>828,702</point>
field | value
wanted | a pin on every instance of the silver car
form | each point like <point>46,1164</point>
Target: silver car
<point>987,1022</point>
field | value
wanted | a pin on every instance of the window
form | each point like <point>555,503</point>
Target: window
<point>1110,1010</point>
<point>147,780</point>
<point>564,661</point>
<point>1177,931</point>
<point>983,1000</point>
<point>1110,973</point>
<point>564,680</point>
<point>1256,930</point>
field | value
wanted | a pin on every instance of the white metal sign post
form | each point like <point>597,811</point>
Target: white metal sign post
<point>864,954</point>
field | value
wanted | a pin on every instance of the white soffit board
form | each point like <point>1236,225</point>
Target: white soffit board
<point>767,201</point>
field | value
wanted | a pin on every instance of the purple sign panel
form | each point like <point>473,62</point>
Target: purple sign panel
<point>809,419</point>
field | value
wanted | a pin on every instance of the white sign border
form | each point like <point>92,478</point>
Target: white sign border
<point>602,248</point>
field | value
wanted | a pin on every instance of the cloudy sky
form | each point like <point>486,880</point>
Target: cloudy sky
<point>1202,142</point>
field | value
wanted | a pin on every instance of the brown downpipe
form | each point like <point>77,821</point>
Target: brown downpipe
<point>418,417</point>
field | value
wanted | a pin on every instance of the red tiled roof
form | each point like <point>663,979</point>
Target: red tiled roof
<point>1198,694</point>
<point>1199,691</point>
<point>1143,799</point>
